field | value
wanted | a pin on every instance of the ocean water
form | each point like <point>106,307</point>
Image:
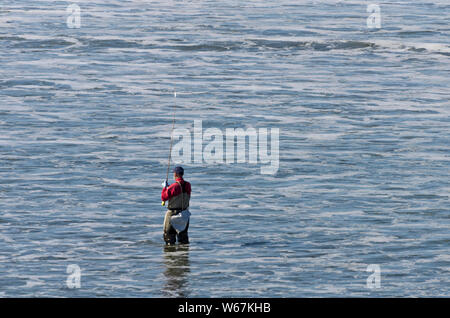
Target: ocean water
<point>363,178</point>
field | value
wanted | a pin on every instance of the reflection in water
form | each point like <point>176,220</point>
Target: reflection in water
<point>176,260</point>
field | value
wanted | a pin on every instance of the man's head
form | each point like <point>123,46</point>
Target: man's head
<point>178,172</point>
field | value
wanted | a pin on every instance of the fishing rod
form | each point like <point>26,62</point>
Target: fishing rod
<point>163,203</point>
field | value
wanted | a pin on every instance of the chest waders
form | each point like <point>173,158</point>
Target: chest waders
<point>181,201</point>
<point>175,206</point>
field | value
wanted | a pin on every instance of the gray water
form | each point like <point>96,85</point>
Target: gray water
<point>85,118</point>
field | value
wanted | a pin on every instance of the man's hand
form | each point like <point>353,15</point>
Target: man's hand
<point>165,184</point>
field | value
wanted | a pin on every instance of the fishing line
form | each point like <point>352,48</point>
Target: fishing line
<point>171,140</point>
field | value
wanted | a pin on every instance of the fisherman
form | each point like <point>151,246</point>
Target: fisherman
<point>176,221</point>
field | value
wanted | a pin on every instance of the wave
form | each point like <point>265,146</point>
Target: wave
<point>314,45</point>
<point>273,44</point>
<point>97,43</point>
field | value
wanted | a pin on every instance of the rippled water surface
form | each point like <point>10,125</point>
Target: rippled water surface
<point>85,118</point>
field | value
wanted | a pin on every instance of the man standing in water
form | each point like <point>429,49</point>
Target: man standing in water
<point>176,221</point>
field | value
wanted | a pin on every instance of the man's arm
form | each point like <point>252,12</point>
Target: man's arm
<point>167,192</point>
<point>170,192</point>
